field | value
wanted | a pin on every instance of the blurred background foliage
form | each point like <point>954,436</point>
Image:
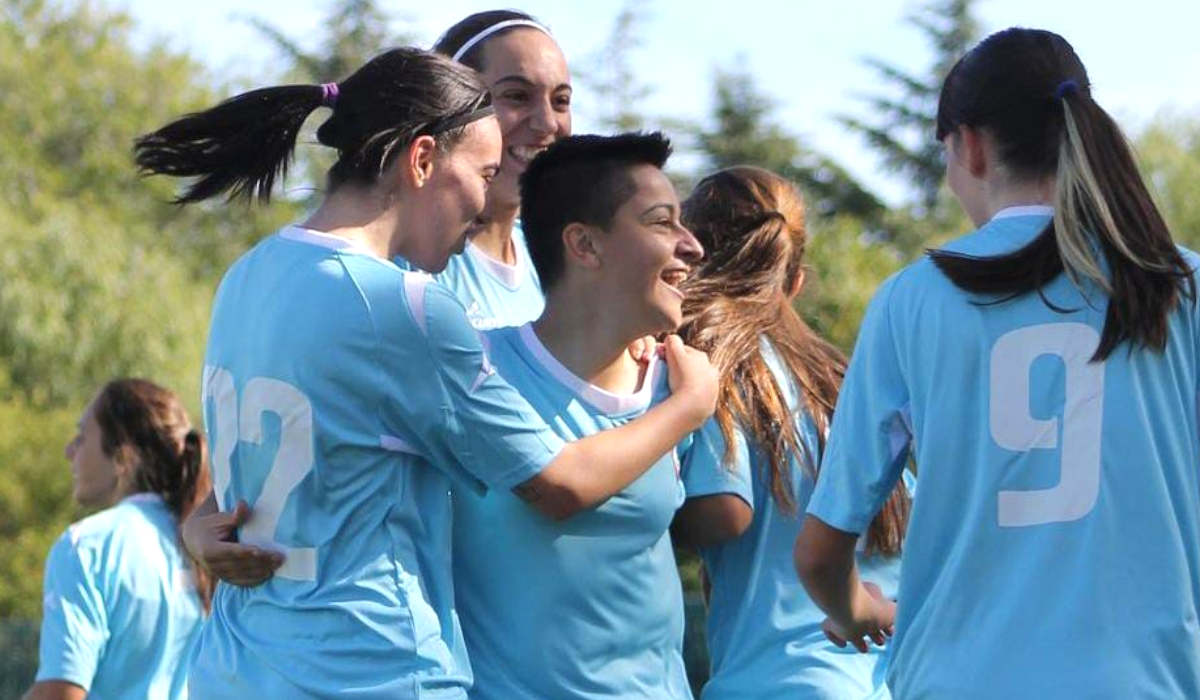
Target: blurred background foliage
<point>100,275</point>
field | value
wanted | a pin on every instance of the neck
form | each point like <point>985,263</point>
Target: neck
<point>590,342</point>
<point>1015,194</point>
<point>494,236</point>
<point>358,215</point>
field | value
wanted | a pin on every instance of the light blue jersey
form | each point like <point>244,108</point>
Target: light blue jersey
<point>120,614</point>
<point>342,395</point>
<point>764,632</point>
<point>1054,547</point>
<point>495,294</point>
<point>586,608</point>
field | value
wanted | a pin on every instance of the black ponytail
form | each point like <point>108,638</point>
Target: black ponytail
<point>1030,91</point>
<point>240,146</point>
<point>243,144</point>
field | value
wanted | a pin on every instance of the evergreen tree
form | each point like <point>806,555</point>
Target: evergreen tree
<point>610,75</point>
<point>903,132</point>
<point>743,132</point>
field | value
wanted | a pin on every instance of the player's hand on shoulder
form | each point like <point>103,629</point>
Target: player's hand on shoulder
<point>875,623</point>
<point>211,540</point>
<point>692,376</point>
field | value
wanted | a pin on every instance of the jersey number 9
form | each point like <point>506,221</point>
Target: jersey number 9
<point>1014,428</point>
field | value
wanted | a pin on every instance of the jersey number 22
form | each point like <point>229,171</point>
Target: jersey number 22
<point>293,460</point>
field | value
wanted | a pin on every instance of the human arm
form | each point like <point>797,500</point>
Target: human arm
<point>449,405</point>
<point>54,690</point>
<point>719,487</point>
<point>210,536</point>
<point>590,470</point>
<point>74,630</point>
<point>707,521</point>
<point>857,611</point>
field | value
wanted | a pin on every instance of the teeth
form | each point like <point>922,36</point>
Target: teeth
<point>674,278</point>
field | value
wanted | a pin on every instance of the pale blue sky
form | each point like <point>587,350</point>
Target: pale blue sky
<point>1142,56</point>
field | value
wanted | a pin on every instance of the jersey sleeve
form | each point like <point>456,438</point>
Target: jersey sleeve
<point>74,619</point>
<point>705,470</point>
<point>870,436</point>
<point>463,416</point>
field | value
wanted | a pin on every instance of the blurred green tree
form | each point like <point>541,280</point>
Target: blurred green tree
<point>1168,152</point>
<point>743,131</point>
<point>99,274</point>
<point>903,132</point>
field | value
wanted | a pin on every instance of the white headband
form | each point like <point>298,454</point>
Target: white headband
<point>462,50</point>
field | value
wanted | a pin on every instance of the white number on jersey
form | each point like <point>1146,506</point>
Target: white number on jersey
<point>1013,428</point>
<point>293,461</point>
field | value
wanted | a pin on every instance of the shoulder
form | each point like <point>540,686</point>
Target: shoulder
<point>137,518</point>
<point>502,340</point>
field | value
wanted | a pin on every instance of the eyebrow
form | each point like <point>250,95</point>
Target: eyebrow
<point>527,82</point>
<point>662,205</point>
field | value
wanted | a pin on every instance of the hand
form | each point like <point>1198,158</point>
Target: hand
<point>876,622</point>
<point>211,540</point>
<point>693,376</point>
<point>642,349</point>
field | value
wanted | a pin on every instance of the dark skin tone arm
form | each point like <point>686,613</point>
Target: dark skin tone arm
<point>857,611</point>
<point>707,521</point>
<point>55,690</point>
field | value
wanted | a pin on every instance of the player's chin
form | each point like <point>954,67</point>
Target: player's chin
<point>668,315</point>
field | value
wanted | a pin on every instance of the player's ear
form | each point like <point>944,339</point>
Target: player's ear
<point>417,166</point>
<point>974,150</point>
<point>581,245</point>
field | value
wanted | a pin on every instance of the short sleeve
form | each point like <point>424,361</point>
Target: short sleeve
<point>870,436</point>
<point>74,619</point>
<point>449,399</point>
<point>705,470</point>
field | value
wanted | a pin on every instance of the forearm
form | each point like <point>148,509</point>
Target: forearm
<point>590,470</point>
<point>826,564</point>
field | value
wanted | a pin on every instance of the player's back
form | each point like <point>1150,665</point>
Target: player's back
<point>294,388</point>
<point>1053,549</point>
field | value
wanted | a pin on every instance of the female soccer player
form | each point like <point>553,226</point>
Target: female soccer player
<point>526,73</point>
<point>591,607</point>
<point>751,469</point>
<point>345,394</point>
<point>1046,368</point>
<point>122,607</point>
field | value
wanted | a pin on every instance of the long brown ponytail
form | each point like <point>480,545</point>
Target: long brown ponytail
<point>751,223</point>
<point>144,425</point>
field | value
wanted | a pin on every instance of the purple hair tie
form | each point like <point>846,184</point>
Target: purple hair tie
<point>329,94</point>
<point>1066,87</point>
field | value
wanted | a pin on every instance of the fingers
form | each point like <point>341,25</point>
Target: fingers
<point>242,565</point>
<point>642,349</point>
<point>675,347</point>
<point>241,513</point>
<point>827,628</point>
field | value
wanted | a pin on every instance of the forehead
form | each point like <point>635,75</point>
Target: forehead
<point>481,141</point>
<point>526,52</point>
<point>651,187</point>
